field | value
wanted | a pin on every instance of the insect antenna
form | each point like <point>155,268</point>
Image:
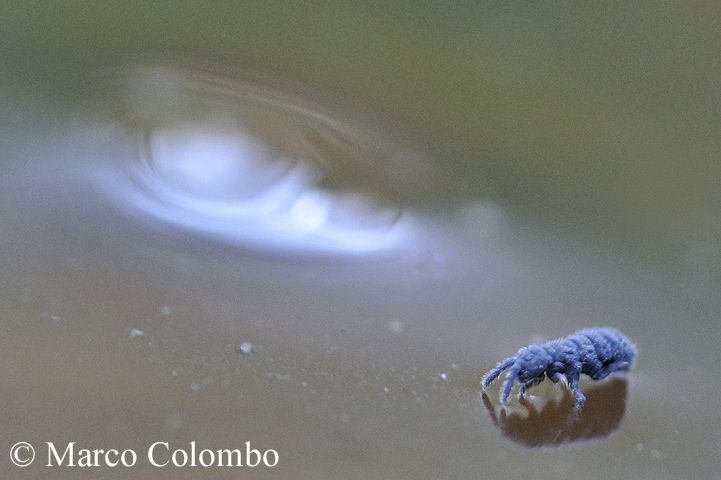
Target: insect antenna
<point>493,374</point>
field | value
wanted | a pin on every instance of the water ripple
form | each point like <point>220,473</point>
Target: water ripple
<point>256,167</point>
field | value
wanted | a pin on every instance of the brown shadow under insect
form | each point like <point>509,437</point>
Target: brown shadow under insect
<point>558,423</point>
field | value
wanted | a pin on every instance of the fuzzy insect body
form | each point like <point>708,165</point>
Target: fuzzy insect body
<point>596,352</point>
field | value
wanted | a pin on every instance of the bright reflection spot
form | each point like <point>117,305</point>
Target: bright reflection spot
<point>309,212</point>
<point>214,163</point>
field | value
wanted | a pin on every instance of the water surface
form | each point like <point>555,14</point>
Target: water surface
<point>386,206</point>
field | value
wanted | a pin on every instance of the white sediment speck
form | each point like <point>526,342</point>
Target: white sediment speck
<point>444,376</point>
<point>396,326</point>
<point>174,421</point>
<point>195,387</point>
<point>165,311</point>
<point>136,332</point>
<point>55,318</point>
<point>246,349</point>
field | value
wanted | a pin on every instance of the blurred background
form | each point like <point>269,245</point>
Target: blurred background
<point>314,226</point>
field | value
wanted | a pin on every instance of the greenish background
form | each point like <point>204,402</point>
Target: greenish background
<point>604,113</point>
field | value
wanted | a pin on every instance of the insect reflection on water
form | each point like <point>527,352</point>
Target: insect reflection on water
<point>558,423</point>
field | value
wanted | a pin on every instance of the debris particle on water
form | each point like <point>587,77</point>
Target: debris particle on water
<point>165,311</point>
<point>283,377</point>
<point>52,317</point>
<point>444,376</point>
<point>136,332</point>
<point>195,387</point>
<point>386,389</point>
<point>396,326</point>
<point>246,349</point>
<point>454,366</point>
<point>174,421</point>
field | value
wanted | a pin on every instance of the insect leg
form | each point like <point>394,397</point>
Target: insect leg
<point>574,382</point>
<point>529,384</point>
<point>493,374</point>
